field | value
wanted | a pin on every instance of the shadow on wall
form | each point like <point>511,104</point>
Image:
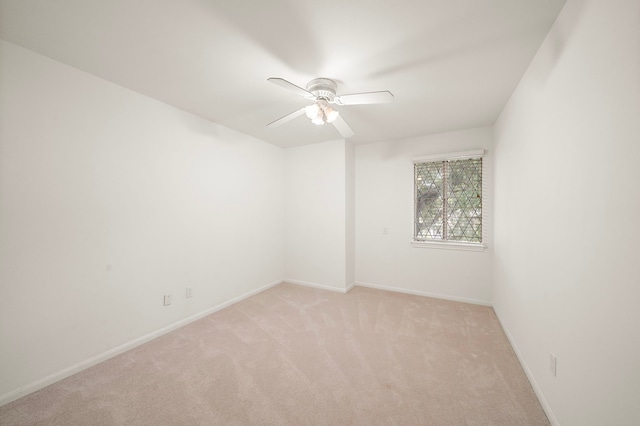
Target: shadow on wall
<point>557,40</point>
<point>213,131</point>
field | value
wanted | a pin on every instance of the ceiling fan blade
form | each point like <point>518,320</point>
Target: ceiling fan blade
<point>286,118</point>
<point>365,98</point>
<point>343,127</point>
<point>290,86</point>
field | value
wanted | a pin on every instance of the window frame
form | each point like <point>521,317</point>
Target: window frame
<point>449,244</point>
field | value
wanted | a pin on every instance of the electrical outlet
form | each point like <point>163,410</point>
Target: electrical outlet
<point>167,299</point>
<point>552,364</point>
<point>189,292</point>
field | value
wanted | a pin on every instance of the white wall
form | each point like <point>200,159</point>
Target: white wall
<point>350,219</point>
<point>567,206</point>
<point>316,215</point>
<point>384,200</point>
<point>110,199</point>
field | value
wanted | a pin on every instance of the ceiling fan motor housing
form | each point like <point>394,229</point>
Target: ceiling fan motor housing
<point>323,88</point>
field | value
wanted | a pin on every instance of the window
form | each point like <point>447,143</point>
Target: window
<point>448,199</point>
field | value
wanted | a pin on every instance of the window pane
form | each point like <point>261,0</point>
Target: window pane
<point>429,201</point>
<point>448,200</point>
<point>464,200</point>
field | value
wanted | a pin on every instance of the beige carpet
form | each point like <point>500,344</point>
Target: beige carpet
<point>299,356</point>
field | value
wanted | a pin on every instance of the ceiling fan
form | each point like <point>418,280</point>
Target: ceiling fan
<point>322,91</point>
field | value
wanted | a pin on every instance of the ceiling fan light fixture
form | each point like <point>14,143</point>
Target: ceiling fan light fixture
<point>320,113</point>
<point>331,114</point>
<point>312,111</point>
<point>318,121</point>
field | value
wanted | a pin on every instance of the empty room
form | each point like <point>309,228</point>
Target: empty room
<point>284,212</point>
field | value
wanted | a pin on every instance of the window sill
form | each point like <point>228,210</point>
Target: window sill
<point>449,245</point>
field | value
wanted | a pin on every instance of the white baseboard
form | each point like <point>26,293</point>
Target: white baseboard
<point>318,286</point>
<point>83,365</point>
<point>536,388</point>
<point>424,293</point>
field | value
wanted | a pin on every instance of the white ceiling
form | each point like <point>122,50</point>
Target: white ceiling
<point>451,64</point>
